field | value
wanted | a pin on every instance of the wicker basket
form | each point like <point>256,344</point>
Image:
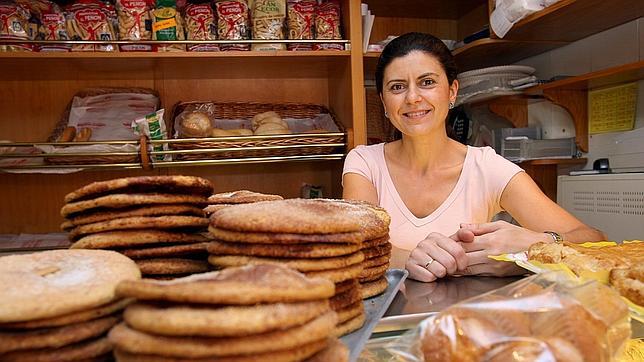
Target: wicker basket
<point>98,159</point>
<point>246,111</point>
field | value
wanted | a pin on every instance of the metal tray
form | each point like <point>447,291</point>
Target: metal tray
<point>375,308</point>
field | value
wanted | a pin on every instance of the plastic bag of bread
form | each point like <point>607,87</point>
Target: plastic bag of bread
<point>545,317</point>
<point>193,124</point>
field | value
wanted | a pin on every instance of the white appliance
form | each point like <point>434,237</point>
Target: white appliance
<point>613,203</point>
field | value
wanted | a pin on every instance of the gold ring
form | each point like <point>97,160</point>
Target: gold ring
<point>431,260</point>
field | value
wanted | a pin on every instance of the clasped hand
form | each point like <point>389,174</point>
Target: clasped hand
<point>466,251</point>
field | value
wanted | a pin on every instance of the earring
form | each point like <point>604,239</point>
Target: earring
<point>451,105</point>
<point>386,114</point>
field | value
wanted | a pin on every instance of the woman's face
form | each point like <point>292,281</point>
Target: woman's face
<point>416,94</point>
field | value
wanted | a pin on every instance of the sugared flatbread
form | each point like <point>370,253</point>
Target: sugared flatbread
<point>299,216</point>
<point>235,286</point>
<point>74,317</point>
<point>118,201</point>
<point>176,222</point>
<point>348,297</point>
<point>349,326</point>
<point>69,280</point>
<point>300,353</point>
<point>92,350</point>
<point>131,238</point>
<point>156,210</point>
<point>226,321</point>
<point>338,275</point>
<point>133,341</point>
<point>188,185</point>
<point>283,238</point>
<point>376,251</point>
<point>177,250</point>
<point>165,266</point>
<point>241,197</point>
<point>319,250</point>
<point>299,264</point>
<point>55,337</point>
<point>370,289</point>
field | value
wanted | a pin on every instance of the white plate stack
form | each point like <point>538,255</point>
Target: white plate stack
<point>481,84</point>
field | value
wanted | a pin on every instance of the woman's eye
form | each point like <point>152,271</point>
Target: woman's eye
<point>427,82</point>
<point>397,87</point>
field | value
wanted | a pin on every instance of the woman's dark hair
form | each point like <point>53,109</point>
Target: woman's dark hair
<point>409,42</point>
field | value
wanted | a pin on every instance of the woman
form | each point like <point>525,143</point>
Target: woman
<point>442,195</point>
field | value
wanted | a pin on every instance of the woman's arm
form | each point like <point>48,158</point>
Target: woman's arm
<point>523,199</point>
<point>357,187</point>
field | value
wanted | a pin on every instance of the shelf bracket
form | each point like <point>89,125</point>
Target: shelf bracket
<point>575,101</point>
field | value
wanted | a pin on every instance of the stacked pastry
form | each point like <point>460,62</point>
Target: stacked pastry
<point>219,201</point>
<point>59,305</point>
<point>251,313</point>
<point>155,220</point>
<point>376,248</point>
<point>321,238</point>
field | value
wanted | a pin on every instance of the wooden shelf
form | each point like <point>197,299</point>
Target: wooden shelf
<point>491,52</point>
<point>437,9</point>
<point>165,55</point>
<point>603,78</point>
<point>570,20</point>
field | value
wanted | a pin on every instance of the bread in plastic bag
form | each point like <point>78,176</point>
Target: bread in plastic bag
<point>545,317</point>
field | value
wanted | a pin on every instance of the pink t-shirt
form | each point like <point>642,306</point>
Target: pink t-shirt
<point>475,198</point>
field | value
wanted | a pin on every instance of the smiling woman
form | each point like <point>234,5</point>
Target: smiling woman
<point>441,195</point>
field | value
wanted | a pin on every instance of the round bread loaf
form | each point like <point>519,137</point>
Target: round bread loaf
<point>195,124</point>
<point>56,282</point>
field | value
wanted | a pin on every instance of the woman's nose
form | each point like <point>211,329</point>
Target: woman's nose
<point>413,95</point>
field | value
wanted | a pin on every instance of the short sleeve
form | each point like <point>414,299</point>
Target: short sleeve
<point>499,171</point>
<point>358,162</point>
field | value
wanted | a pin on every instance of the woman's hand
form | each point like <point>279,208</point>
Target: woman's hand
<point>494,238</point>
<point>436,257</point>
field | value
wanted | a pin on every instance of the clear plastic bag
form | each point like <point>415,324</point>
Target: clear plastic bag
<point>545,317</point>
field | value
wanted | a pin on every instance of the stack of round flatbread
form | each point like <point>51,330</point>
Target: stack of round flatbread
<point>321,238</point>
<point>155,220</point>
<point>376,248</point>
<point>251,313</point>
<point>219,201</point>
<point>59,305</point>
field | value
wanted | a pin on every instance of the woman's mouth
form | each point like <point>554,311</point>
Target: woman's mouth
<point>416,114</point>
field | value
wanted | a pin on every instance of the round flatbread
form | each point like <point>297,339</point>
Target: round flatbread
<point>373,273</point>
<point>375,242</point>
<point>285,251</point>
<point>133,341</point>
<point>376,251</point>
<point>349,326</point>
<point>196,249</point>
<point>235,286</point>
<point>93,350</point>
<point>177,222</point>
<point>69,280</point>
<point>189,185</point>
<point>118,201</point>
<point>300,353</point>
<point>382,214</point>
<point>350,311</point>
<point>345,285</point>
<point>299,216</point>
<point>163,266</point>
<point>376,261</point>
<point>371,289</point>
<point>338,275</point>
<point>129,238</point>
<point>283,238</point>
<point>221,322</point>
<point>299,264</point>
<point>345,298</point>
<point>372,224</point>
<point>156,210</point>
<point>55,337</point>
<point>67,319</point>
<point>211,209</point>
<point>241,197</point>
